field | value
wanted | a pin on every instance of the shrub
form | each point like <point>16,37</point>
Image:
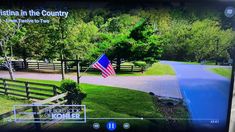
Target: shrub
<point>140,63</point>
<point>1,61</point>
<point>150,60</point>
<point>75,95</point>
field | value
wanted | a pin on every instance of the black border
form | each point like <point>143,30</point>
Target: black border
<point>26,3</point>
<point>231,90</point>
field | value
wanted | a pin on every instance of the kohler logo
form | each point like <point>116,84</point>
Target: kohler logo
<point>65,116</point>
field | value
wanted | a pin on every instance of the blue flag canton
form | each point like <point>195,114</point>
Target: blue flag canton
<point>104,61</point>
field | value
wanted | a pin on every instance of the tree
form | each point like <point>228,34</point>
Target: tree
<point>139,43</point>
<point>209,41</point>
<point>8,32</point>
<point>34,42</point>
<point>176,45</point>
<point>148,44</point>
<point>122,48</point>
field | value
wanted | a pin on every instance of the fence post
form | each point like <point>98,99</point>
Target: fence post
<point>26,65</point>
<point>27,89</point>
<point>53,65</point>
<point>36,117</point>
<point>13,64</point>
<point>22,65</point>
<point>55,90</point>
<point>62,66</point>
<point>132,68</point>
<point>38,65</point>
<point>5,86</point>
<point>65,66</point>
<point>142,69</point>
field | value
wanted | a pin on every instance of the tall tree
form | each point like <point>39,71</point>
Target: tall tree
<point>8,32</point>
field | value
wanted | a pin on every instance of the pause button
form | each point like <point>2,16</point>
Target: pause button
<point>111,126</point>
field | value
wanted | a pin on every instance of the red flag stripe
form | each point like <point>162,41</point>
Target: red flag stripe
<point>103,72</point>
<point>97,67</point>
<point>110,67</point>
<point>104,69</point>
<point>104,75</point>
<point>110,70</point>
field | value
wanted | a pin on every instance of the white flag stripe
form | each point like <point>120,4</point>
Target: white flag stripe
<point>104,69</point>
<point>104,72</point>
<point>110,67</point>
<point>104,75</point>
<point>96,66</point>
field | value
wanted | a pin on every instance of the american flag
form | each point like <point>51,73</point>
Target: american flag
<point>103,64</point>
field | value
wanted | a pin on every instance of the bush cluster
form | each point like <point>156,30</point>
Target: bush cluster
<point>75,95</point>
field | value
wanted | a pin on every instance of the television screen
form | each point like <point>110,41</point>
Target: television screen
<point>128,66</point>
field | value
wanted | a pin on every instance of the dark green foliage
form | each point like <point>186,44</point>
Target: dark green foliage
<point>142,31</point>
<point>75,95</point>
<point>130,35</point>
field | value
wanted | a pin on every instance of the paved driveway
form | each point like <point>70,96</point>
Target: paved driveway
<point>166,86</point>
<point>205,93</point>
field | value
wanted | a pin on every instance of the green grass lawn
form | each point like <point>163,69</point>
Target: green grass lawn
<point>226,72</point>
<point>8,102</point>
<point>159,69</point>
<point>112,102</point>
<point>197,63</point>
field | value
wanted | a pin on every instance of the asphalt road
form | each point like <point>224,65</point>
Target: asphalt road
<point>166,86</point>
<point>205,93</point>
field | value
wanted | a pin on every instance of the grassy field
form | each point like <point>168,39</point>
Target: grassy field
<point>197,63</point>
<point>226,72</point>
<point>106,100</point>
<point>159,69</point>
<point>8,102</point>
<point>112,102</point>
<point>7,105</point>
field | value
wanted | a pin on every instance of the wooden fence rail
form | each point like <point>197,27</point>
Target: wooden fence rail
<point>40,65</point>
<point>57,66</point>
<point>55,100</point>
<point>29,90</point>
